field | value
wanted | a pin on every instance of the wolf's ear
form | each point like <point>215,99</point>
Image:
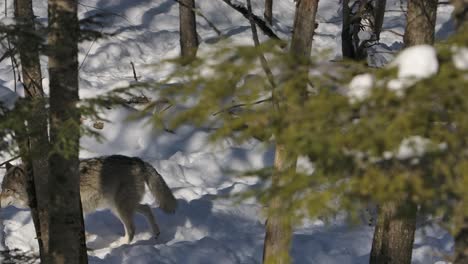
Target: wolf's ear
<point>8,166</point>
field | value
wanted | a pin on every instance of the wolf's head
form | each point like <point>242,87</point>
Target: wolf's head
<point>14,187</point>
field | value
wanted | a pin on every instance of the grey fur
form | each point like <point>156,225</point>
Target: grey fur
<point>115,182</point>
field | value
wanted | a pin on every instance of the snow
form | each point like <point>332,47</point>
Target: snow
<point>413,63</point>
<point>209,226</point>
<point>460,58</point>
<point>417,62</point>
<point>412,147</point>
<point>360,86</point>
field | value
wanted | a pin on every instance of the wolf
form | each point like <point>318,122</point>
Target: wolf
<point>114,182</point>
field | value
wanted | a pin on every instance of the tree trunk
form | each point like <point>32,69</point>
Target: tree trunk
<point>268,14</point>
<point>353,22</point>
<point>420,24</point>
<point>394,233</point>
<point>35,144</point>
<point>347,47</point>
<point>461,245</point>
<point>379,13</point>
<point>460,14</point>
<point>188,29</point>
<point>304,28</point>
<point>279,227</point>
<point>67,241</point>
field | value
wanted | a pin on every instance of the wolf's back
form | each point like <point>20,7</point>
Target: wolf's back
<point>160,190</point>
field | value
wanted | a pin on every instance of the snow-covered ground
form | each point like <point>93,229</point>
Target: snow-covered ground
<point>208,227</point>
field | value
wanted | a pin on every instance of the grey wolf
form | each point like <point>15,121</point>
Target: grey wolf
<point>114,182</point>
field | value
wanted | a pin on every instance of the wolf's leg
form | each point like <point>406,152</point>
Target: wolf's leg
<point>125,214</point>
<point>145,210</point>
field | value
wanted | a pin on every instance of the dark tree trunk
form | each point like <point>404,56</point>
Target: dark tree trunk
<point>379,13</point>
<point>188,29</point>
<point>67,240</point>
<point>35,146</point>
<point>353,22</point>
<point>268,14</point>
<point>460,14</point>
<point>347,46</point>
<point>279,227</point>
<point>394,233</point>
<point>461,245</point>
<point>420,24</point>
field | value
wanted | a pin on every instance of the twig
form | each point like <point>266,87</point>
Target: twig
<point>12,56</point>
<point>90,47</point>
<point>106,11</point>
<point>257,20</point>
<point>394,32</point>
<point>263,60</point>
<point>240,105</point>
<point>12,159</point>
<point>134,71</point>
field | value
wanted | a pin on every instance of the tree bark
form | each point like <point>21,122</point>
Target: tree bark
<point>188,29</point>
<point>35,148</point>
<point>420,24</point>
<point>379,13</point>
<point>351,45</point>
<point>460,14</point>
<point>461,245</point>
<point>396,224</point>
<point>278,226</point>
<point>268,14</point>
<point>304,28</point>
<point>347,47</point>
<point>394,234</point>
<point>67,241</point>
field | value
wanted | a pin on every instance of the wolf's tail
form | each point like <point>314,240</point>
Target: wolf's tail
<point>160,190</point>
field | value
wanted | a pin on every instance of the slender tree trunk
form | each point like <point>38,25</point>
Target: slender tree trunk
<point>36,145</point>
<point>420,24</point>
<point>268,14</point>
<point>396,224</point>
<point>347,47</point>
<point>304,28</point>
<point>461,245</point>
<point>460,14</point>
<point>394,234</point>
<point>188,29</point>
<point>379,13</point>
<point>279,227</point>
<point>352,47</point>
<point>67,241</point>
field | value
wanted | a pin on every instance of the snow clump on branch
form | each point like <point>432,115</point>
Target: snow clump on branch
<point>414,63</point>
